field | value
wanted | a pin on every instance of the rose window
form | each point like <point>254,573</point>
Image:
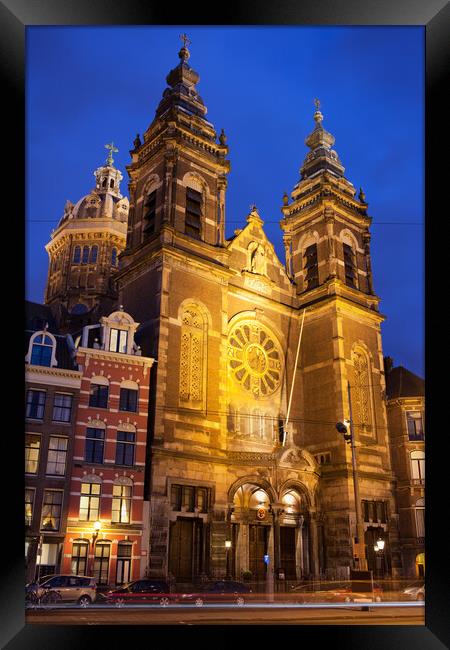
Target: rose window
<point>255,359</point>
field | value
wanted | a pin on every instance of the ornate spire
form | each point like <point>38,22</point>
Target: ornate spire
<point>321,157</point>
<point>184,53</point>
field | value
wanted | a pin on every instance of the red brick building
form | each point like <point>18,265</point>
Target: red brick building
<point>106,533</point>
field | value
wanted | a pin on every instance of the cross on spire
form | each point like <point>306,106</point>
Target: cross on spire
<point>317,103</point>
<point>112,149</point>
<point>185,40</point>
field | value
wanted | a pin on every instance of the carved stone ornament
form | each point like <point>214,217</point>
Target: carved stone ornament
<point>255,359</point>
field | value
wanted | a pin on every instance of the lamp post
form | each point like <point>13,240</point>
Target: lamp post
<point>379,548</point>
<point>346,428</point>
<point>97,526</point>
<point>227,547</point>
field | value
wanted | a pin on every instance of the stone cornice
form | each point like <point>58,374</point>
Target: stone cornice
<point>43,374</point>
<point>116,357</point>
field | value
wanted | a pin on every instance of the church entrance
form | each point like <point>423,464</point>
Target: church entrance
<point>287,552</point>
<point>258,538</point>
<point>185,548</point>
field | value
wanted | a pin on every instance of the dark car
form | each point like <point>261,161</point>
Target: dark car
<point>141,592</point>
<point>333,592</point>
<point>220,591</point>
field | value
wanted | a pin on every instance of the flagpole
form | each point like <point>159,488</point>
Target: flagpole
<point>295,369</point>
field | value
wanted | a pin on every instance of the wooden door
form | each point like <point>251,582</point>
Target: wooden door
<point>257,540</point>
<point>186,548</point>
<point>287,551</point>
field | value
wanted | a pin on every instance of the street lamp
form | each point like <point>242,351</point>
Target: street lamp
<point>346,428</point>
<point>379,548</point>
<point>227,547</point>
<point>95,532</point>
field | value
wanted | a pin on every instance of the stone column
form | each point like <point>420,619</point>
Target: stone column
<point>314,543</point>
<point>366,242</point>
<point>299,565</point>
<point>329,220</point>
<point>287,240</point>
<point>222,185</point>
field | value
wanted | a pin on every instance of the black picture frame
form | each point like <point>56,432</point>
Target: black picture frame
<point>434,15</point>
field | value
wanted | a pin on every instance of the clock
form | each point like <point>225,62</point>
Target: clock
<point>255,358</point>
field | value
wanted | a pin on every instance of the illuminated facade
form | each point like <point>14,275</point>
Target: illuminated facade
<point>106,534</point>
<point>222,318</point>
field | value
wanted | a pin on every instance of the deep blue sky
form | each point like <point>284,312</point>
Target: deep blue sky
<point>87,86</point>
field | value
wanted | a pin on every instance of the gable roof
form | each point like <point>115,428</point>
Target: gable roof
<point>401,382</point>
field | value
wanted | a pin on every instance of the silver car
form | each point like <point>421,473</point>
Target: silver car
<point>70,588</point>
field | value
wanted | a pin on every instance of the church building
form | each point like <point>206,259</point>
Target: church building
<point>256,358</point>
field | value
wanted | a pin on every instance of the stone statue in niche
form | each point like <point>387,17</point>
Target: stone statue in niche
<point>258,260</point>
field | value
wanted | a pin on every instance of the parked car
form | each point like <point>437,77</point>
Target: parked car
<point>219,591</point>
<point>333,592</point>
<point>415,592</point>
<point>64,588</point>
<point>141,592</point>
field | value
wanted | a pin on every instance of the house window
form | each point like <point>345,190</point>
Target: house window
<point>93,255</point>
<point>90,501</point>
<point>121,503</point>
<point>374,511</point>
<point>51,510</point>
<point>125,448</point>
<point>189,498</point>
<point>42,350</point>
<point>32,446</point>
<point>62,407</point>
<point>193,213</point>
<point>150,215</point>
<point>77,255</point>
<point>311,267</point>
<point>418,467</point>
<point>95,441</point>
<point>420,517</point>
<point>98,396</point>
<point>349,266</point>
<point>415,425</point>
<point>85,258</point>
<point>79,558</point>
<point>35,404</point>
<point>29,502</point>
<point>128,400</point>
<point>118,340</point>
<point>57,454</point>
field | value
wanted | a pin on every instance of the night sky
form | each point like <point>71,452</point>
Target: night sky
<point>87,86</point>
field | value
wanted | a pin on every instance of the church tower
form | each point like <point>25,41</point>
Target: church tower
<point>84,251</point>
<point>327,242</point>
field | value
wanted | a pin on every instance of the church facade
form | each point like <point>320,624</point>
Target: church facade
<point>223,320</point>
<point>257,359</point>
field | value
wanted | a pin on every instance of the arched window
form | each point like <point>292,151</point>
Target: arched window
<point>420,517</point>
<point>311,266</point>
<point>121,501</point>
<point>42,350</point>
<point>77,255</point>
<point>192,358</point>
<point>95,443</point>
<point>418,467</point>
<point>114,257</point>
<point>85,258</point>
<point>93,255</point>
<point>351,273</point>
<point>149,214</point>
<point>193,213</point>
<point>90,494</point>
<point>129,396</point>
<point>98,396</point>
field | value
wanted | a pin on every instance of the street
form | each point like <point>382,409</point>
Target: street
<point>336,614</point>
